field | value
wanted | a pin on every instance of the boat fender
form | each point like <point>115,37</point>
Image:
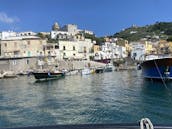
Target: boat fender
<point>49,74</point>
<point>145,123</point>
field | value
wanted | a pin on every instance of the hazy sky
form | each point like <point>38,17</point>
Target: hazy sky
<point>104,17</point>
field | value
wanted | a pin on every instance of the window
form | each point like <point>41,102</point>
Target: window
<point>64,48</point>
<point>74,48</point>
<point>27,61</point>
<point>85,50</point>
<point>56,47</point>
<point>5,44</point>
<point>134,54</point>
<point>73,54</point>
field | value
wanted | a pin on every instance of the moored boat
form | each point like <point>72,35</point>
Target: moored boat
<point>48,75</point>
<point>72,72</point>
<point>105,61</point>
<point>108,68</point>
<point>99,70</point>
<point>9,74</point>
<point>86,71</point>
<point>158,67</point>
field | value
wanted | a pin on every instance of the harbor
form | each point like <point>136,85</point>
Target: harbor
<point>72,64</point>
<point>112,97</point>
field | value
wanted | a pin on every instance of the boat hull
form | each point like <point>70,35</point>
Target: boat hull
<point>99,70</point>
<point>50,75</point>
<point>86,71</point>
<point>105,61</point>
<point>108,70</point>
<point>157,68</point>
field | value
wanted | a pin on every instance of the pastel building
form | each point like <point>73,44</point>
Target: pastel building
<point>23,46</point>
<point>110,50</point>
<point>79,49</point>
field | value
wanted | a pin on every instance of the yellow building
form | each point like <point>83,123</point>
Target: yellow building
<point>96,48</point>
<point>170,46</point>
<point>22,47</point>
<point>148,47</point>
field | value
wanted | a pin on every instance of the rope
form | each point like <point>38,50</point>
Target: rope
<point>145,123</point>
<point>160,74</point>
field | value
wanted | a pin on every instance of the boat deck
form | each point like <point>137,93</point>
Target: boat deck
<point>93,126</point>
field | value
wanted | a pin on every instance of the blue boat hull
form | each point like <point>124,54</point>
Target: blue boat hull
<point>157,68</point>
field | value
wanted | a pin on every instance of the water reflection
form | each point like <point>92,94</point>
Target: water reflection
<point>100,98</point>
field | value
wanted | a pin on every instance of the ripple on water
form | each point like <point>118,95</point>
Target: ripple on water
<point>100,98</point>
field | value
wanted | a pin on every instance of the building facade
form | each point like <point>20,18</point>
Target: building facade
<point>22,47</point>
<point>79,49</point>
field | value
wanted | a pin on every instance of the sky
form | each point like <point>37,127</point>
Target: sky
<point>103,17</point>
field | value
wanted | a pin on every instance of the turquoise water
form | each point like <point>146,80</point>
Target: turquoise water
<point>117,97</point>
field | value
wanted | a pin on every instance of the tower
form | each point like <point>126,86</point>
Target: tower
<point>55,27</point>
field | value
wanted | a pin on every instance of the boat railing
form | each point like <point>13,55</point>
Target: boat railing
<point>145,57</point>
<point>94,126</point>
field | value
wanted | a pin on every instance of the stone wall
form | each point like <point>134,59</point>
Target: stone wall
<point>24,64</point>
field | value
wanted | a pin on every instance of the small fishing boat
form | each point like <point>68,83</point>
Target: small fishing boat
<point>157,67</point>
<point>72,72</point>
<point>99,70</point>
<point>9,74</point>
<point>48,75</point>
<point>108,68</point>
<point>86,71</point>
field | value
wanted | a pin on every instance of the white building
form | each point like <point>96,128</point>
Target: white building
<point>138,50</point>
<point>110,50</point>
<point>65,32</point>
<point>86,32</point>
<point>27,33</point>
<point>59,34</point>
<point>6,35</point>
<point>0,35</point>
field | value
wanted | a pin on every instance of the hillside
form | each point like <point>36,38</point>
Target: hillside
<point>161,30</point>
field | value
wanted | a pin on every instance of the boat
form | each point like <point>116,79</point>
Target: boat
<point>105,61</point>
<point>157,67</point>
<point>86,71</point>
<point>1,75</point>
<point>108,68</point>
<point>99,70</point>
<point>144,123</point>
<point>72,72</point>
<point>43,75</point>
<point>9,74</point>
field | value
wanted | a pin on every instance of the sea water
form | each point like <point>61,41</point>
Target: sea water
<point>115,97</point>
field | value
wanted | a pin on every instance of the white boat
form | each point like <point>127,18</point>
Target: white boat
<point>108,68</point>
<point>86,71</point>
<point>72,72</point>
<point>1,75</point>
<point>9,74</point>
